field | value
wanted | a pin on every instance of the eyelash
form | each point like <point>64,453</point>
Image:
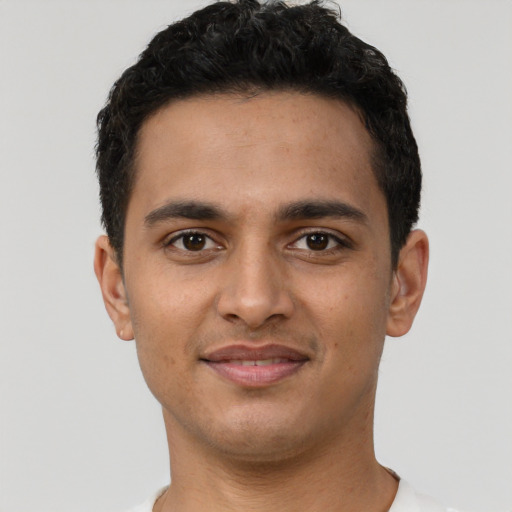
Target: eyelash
<point>183,234</point>
<point>341,243</point>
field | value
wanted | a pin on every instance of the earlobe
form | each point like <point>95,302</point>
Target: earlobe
<point>408,285</point>
<point>112,286</point>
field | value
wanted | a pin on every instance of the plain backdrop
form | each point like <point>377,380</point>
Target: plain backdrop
<point>79,431</point>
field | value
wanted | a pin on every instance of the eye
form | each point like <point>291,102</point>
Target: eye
<point>318,241</point>
<point>192,241</point>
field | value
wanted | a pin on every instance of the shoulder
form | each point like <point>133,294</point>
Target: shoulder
<point>409,500</point>
<point>147,506</point>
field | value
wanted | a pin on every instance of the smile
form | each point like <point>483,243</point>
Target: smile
<point>255,367</point>
<point>259,362</point>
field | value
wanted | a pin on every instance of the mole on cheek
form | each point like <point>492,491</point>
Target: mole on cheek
<point>168,360</point>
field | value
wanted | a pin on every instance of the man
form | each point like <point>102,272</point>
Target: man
<point>260,182</point>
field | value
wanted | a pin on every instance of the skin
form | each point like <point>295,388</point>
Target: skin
<point>305,441</point>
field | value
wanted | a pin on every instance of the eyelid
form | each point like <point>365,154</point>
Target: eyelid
<point>170,239</point>
<point>343,241</point>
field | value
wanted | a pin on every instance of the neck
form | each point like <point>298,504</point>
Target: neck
<point>339,476</point>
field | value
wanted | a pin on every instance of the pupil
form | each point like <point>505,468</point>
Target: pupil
<point>194,242</point>
<point>317,241</point>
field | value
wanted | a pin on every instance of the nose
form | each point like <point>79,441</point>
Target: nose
<point>255,289</point>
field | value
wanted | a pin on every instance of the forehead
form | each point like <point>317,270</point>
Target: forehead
<point>259,151</point>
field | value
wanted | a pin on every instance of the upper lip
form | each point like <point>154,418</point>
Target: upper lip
<point>257,353</point>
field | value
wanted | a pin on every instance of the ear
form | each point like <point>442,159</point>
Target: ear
<point>110,277</point>
<point>409,280</point>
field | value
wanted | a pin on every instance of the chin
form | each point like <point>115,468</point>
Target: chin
<point>265,438</point>
<point>257,447</point>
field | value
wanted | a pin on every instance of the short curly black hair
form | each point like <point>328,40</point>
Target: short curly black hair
<point>247,47</point>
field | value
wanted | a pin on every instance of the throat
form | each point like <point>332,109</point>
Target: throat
<point>271,487</point>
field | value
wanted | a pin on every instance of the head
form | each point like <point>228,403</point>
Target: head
<point>247,48</point>
<point>259,180</point>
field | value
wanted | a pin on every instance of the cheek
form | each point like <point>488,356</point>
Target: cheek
<point>350,312</point>
<point>165,305</point>
<point>165,315</point>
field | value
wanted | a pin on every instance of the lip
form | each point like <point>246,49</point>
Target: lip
<point>255,367</point>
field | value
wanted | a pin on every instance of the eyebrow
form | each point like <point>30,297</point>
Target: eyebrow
<point>301,210</point>
<point>184,209</point>
<point>298,210</point>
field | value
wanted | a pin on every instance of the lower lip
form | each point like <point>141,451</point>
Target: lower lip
<point>255,376</point>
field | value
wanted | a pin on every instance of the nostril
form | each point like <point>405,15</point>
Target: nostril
<point>232,317</point>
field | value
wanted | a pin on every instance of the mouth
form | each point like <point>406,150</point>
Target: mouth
<point>255,367</point>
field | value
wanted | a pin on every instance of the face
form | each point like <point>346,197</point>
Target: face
<point>257,273</point>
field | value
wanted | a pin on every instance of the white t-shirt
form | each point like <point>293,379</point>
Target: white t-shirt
<point>406,500</point>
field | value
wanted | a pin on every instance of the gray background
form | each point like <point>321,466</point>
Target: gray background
<point>78,429</point>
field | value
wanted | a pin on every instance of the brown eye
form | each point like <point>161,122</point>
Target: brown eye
<point>194,241</point>
<point>317,241</point>
<point>192,244</point>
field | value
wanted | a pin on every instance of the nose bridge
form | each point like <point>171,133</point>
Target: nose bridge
<point>254,289</point>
